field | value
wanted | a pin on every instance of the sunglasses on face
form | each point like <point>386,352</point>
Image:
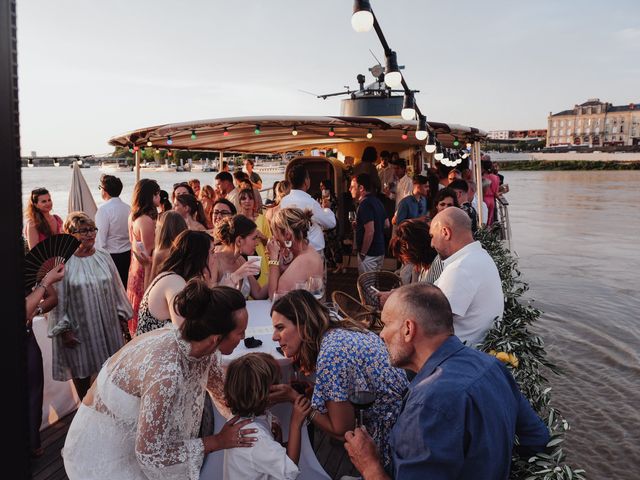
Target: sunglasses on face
<point>86,231</point>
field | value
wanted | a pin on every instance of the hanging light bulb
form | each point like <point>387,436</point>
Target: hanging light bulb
<point>456,142</point>
<point>362,18</point>
<point>136,148</point>
<point>430,147</point>
<point>331,132</point>
<point>294,131</point>
<point>404,134</point>
<point>157,150</point>
<point>169,141</point>
<point>142,150</point>
<point>408,106</point>
<point>392,75</point>
<point>169,153</point>
<point>438,155</point>
<point>193,135</point>
<point>149,143</point>
<point>225,132</point>
<point>130,149</point>
<point>421,130</point>
<point>369,134</point>
<point>257,131</point>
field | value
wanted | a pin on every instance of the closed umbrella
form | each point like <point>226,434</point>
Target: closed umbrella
<point>80,198</point>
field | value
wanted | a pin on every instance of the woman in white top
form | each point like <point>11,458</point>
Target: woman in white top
<point>140,420</point>
<point>246,390</point>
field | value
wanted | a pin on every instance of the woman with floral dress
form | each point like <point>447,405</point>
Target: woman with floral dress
<point>341,354</point>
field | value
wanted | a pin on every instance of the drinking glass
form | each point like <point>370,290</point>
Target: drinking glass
<point>361,398</point>
<point>316,286</point>
<point>352,216</point>
<point>302,286</point>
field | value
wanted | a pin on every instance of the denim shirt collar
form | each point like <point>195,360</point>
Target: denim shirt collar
<point>449,347</point>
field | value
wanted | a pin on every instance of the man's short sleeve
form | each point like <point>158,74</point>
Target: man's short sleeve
<point>459,286</point>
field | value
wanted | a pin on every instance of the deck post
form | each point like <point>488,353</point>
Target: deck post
<point>475,155</point>
<point>12,293</point>
<point>136,156</point>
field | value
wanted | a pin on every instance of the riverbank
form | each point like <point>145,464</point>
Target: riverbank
<point>528,165</point>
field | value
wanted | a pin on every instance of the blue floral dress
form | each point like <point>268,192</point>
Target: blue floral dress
<point>347,356</point>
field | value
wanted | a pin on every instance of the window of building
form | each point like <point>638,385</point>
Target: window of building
<point>555,123</point>
<point>562,123</point>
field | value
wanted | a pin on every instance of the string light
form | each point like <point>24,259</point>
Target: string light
<point>421,130</point>
<point>430,147</point>
<point>404,134</point>
<point>332,133</point>
<point>257,131</point>
<point>362,18</point>
<point>369,134</point>
<point>294,131</point>
<point>456,142</point>
<point>149,143</point>
<point>225,132</point>
<point>408,111</point>
<point>392,75</point>
<point>169,141</point>
<point>193,135</point>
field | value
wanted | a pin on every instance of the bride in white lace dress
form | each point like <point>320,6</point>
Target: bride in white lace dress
<point>141,417</point>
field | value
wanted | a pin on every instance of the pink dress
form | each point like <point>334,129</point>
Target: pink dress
<point>42,236</point>
<point>489,196</point>
<point>135,284</point>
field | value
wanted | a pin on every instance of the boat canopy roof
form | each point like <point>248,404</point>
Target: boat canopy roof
<point>238,134</point>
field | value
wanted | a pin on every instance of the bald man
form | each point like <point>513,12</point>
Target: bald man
<point>462,410</point>
<point>470,279</point>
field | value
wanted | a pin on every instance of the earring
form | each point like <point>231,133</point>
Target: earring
<point>288,243</point>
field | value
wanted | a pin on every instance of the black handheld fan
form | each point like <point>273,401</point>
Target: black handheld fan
<point>47,255</point>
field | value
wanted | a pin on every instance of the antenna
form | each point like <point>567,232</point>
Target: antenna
<point>374,56</point>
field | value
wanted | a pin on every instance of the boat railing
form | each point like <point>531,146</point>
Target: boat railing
<point>502,222</point>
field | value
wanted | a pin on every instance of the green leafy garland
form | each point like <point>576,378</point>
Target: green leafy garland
<point>511,341</point>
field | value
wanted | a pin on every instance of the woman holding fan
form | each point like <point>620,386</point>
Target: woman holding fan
<point>87,325</point>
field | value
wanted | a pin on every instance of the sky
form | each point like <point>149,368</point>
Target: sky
<point>92,69</point>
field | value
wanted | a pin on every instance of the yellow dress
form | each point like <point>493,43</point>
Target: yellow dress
<point>263,227</point>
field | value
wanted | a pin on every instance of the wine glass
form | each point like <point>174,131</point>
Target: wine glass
<point>361,398</point>
<point>352,216</point>
<point>302,285</point>
<point>316,286</point>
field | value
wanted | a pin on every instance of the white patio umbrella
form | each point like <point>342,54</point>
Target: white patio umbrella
<point>80,198</point>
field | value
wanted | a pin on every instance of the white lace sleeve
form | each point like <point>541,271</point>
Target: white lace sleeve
<point>215,386</point>
<point>163,449</point>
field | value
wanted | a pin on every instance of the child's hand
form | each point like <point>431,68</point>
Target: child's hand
<point>301,409</point>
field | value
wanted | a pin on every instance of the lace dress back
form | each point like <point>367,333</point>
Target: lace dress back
<point>145,413</point>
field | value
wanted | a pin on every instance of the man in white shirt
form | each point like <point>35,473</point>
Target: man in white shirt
<point>226,188</point>
<point>299,198</point>
<point>470,279</point>
<point>112,223</point>
<point>404,185</point>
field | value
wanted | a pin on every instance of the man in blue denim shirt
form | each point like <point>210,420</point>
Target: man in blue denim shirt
<point>461,412</point>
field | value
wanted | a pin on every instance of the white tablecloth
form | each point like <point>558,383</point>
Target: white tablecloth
<point>260,328</point>
<point>59,397</point>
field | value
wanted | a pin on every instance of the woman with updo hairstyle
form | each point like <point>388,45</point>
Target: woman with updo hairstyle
<point>40,222</point>
<point>191,210</point>
<point>238,237</point>
<point>141,418</point>
<point>291,259</point>
<point>189,257</point>
<point>281,190</point>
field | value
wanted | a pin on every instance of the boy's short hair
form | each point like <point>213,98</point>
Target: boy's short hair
<point>247,383</point>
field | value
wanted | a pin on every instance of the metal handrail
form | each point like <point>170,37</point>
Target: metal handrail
<point>503,221</point>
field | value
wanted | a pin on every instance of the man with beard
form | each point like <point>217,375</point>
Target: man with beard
<point>462,410</point>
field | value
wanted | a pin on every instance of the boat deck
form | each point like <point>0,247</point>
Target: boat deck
<point>331,454</point>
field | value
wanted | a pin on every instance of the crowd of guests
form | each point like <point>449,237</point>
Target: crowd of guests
<point>157,291</point>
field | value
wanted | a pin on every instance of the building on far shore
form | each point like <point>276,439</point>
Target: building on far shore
<point>595,123</point>
<point>530,135</point>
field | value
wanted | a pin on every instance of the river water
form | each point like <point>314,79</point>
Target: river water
<point>577,235</point>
